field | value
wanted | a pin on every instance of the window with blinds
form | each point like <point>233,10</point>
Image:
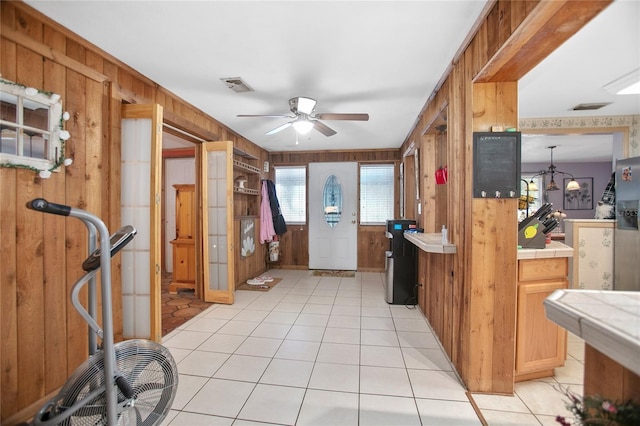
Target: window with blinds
<point>291,188</point>
<point>376,193</point>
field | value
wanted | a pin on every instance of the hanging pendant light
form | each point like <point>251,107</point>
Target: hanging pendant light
<point>573,185</point>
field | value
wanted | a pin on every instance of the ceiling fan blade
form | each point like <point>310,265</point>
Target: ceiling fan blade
<point>323,128</point>
<point>279,128</point>
<point>267,116</point>
<point>347,116</point>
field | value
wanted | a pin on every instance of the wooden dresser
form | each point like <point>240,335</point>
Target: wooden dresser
<point>184,248</point>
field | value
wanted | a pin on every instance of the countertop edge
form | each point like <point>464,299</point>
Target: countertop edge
<point>618,346</point>
<point>430,242</point>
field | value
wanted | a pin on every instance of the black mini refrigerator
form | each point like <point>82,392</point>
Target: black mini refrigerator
<point>401,264</point>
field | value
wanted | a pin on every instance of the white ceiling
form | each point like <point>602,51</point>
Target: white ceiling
<point>383,58</point>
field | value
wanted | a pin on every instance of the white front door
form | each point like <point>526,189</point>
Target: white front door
<point>333,216</point>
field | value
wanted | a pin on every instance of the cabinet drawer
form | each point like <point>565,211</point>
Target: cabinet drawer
<point>542,269</point>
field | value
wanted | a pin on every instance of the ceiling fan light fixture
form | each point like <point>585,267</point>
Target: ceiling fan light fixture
<point>304,105</point>
<point>302,126</point>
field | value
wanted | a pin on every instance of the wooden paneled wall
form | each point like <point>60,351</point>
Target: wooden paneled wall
<point>469,297</point>
<point>43,339</point>
<point>372,242</point>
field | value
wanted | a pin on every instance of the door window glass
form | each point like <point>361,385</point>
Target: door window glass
<point>332,200</point>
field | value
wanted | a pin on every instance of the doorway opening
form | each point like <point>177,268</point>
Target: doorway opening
<point>180,301</point>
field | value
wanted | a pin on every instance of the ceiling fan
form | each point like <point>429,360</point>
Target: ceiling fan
<point>304,117</point>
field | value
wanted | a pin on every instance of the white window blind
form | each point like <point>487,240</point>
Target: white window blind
<point>291,188</point>
<point>376,193</point>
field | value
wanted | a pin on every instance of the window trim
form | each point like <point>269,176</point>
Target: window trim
<point>56,136</point>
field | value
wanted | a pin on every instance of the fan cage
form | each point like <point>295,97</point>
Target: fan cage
<point>148,367</point>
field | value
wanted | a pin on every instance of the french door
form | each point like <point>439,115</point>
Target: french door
<point>217,221</point>
<point>141,171</point>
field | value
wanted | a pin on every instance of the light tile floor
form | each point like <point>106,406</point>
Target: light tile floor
<point>330,351</point>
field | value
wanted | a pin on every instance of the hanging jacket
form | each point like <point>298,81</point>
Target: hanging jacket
<point>279,224</point>
<point>266,219</point>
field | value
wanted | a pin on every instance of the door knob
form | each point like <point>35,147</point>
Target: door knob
<point>353,221</point>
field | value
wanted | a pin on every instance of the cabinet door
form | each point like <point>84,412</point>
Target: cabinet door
<point>217,221</point>
<point>185,211</point>
<point>184,262</point>
<point>540,344</point>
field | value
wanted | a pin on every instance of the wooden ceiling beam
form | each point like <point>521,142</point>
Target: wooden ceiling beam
<point>548,25</point>
<point>189,128</point>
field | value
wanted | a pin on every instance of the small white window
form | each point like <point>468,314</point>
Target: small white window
<point>30,127</point>
<point>376,193</point>
<point>291,189</point>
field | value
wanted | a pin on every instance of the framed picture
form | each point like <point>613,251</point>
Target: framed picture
<point>247,238</point>
<point>582,199</point>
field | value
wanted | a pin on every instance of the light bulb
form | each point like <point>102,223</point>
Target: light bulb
<point>573,185</point>
<point>302,126</point>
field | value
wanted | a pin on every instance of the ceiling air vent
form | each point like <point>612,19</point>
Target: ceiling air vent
<point>237,84</point>
<point>589,107</point>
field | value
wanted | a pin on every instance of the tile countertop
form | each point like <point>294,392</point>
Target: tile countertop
<point>431,243</point>
<point>609,321</point>
<point>554,249</point>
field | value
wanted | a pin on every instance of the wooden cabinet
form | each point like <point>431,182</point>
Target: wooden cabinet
<point>184,253</point>
<point>541,345</point>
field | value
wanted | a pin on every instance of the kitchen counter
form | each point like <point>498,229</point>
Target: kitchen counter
<point>552,250</point>
<point>430,243</point>
<point>609,321</point>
